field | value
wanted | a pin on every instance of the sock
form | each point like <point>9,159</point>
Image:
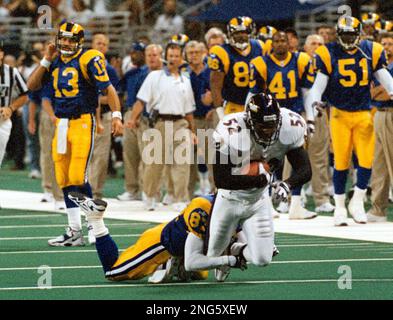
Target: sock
<point>74,218</point>
<point>339,200</point>
<point>99,228</point>
<point>107,251</point>
<point>296,191</point>
<point>66,191</point>
<point>339,181</point>
<point>86,190</point>
<point>363,177</point>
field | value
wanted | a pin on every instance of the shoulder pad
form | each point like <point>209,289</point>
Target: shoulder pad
<point>293,128</point>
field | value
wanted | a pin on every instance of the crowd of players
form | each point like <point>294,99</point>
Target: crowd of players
<point>243,70</point>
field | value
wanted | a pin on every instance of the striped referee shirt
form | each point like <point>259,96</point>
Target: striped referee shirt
<point>12,85</point>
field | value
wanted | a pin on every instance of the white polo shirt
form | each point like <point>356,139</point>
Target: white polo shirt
<point>163,92</point>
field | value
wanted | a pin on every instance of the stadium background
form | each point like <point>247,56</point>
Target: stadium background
<point>293,276</point>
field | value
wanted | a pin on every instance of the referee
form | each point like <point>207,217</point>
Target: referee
<point>11,85</point>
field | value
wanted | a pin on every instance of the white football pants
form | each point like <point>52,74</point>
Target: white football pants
<point>250,209</point>
<point>5,130</point>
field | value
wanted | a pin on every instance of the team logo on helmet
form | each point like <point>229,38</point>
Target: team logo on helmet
<point>348,32</point>
<point>240,24</point>
<point>370,18</point>
<point>384,26</point>
<point>72,31</point>
<point>266,33</point>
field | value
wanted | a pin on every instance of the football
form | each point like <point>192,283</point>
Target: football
<point>252,169</point>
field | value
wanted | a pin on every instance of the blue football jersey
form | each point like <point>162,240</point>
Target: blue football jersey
<point>235,65</point>
<point>283,79</point>
<point>350,73</point>
<point>76,82</point>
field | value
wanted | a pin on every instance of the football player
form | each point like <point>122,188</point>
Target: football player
<point>266,133</point>
<point>344,71</point>
<point>287,77</point>
<point>75,76</point>
<point>369,21</point>
<point>165,244</point>
<point>265,34</point>
<point>229,65</point>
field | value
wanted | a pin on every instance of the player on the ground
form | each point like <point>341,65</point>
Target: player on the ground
<point>266,133</point>
<point>165,244</point>
<point>344,71</point>
<point>229,65</point>
<point>75,76</point>
<point>287,77</point>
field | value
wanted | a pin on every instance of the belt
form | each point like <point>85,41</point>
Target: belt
<point>170,117</point>
<point>387,109</point>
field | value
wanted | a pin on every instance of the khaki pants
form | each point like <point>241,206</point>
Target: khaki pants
<point>381,180</point>
<point>179,173</point>
<point>318,152</point>
<point>99,162</point>
<point>132,151</point>
<point>46,132</point>
<point>200,123</point>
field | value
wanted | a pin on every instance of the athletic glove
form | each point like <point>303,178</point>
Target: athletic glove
<point>280,191</point>
<point>319,107</point>
<point>241,262</point>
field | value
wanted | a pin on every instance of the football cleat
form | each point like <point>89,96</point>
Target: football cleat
<point>300,213</point>
<point>71,238</point>
<point>222,273</point>
<point>357,211</point>
<point>275,251</point>
<point>166,272</point>
<point>340,217</point>
<point>325,207</point>
<point>93,208</point>
<point>47,197</point>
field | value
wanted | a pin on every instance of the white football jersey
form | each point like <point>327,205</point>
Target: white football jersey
<point>232,137</point>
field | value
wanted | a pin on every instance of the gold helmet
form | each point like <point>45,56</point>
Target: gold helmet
<point>74,32</point>
<point>240,24</point>
<point>266,33</point>
<point>179,39</point>
<point>384,26</point>
<point>370,18</point>
<point>348,31</point>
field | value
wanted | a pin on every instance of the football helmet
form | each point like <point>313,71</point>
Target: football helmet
<point>179,39</point>
<point>263,118</point>
<point>74,32</point>
<point>370,18</point>
<point>266,33</point>
<point>384,26</point>
<point>240,24</point>
<point>348,31</point>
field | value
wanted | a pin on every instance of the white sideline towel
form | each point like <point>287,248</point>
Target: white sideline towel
<point>62,129</point>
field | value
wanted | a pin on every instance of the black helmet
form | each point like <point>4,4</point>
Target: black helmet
<point>263,117</point>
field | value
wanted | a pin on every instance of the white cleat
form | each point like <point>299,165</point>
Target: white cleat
<point>166,272</point>
<point>93,208</point>
<point>71,238</point>
<point>150,204</point>
<point>300,213</point>
<point>60,205</point>
<point>373,218</point>
<point>47,197</point>
<point>340,217</point>
<point>167,200</point>
<point>222,273</point>
<point>128,196</point>
<point>325,207</point>
<point>356,209</point>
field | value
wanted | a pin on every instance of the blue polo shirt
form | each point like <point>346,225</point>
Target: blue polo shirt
<point>383,104</point>
<point>200,83</point>
<point>131,83</point>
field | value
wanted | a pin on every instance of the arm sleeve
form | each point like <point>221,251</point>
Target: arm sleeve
<point>385,79</point>
<point>298,158</point>
<point>98,72</point>
<point>19,83</point>
<point>194,259</point>
<point>315,94</point>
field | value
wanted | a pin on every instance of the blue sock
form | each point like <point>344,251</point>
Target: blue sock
<point>363,177</point>
<point>66,191</point>
<point>331,159</point>
<point>339,181</point>
<point>107,251</point>
<point>86,190</point>
<point>296,191</point>
<point>355,160</point>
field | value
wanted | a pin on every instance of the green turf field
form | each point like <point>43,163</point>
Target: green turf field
<point>306,268</point>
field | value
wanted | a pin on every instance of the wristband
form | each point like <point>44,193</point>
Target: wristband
<point>117,114</point>
<point>45,63</point>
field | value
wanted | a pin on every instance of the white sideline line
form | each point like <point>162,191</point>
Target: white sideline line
<point>63,225</point>
<point>181,284</point>
<point>49,237</point>
<point>31,216</point>
<point>274,262</point>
